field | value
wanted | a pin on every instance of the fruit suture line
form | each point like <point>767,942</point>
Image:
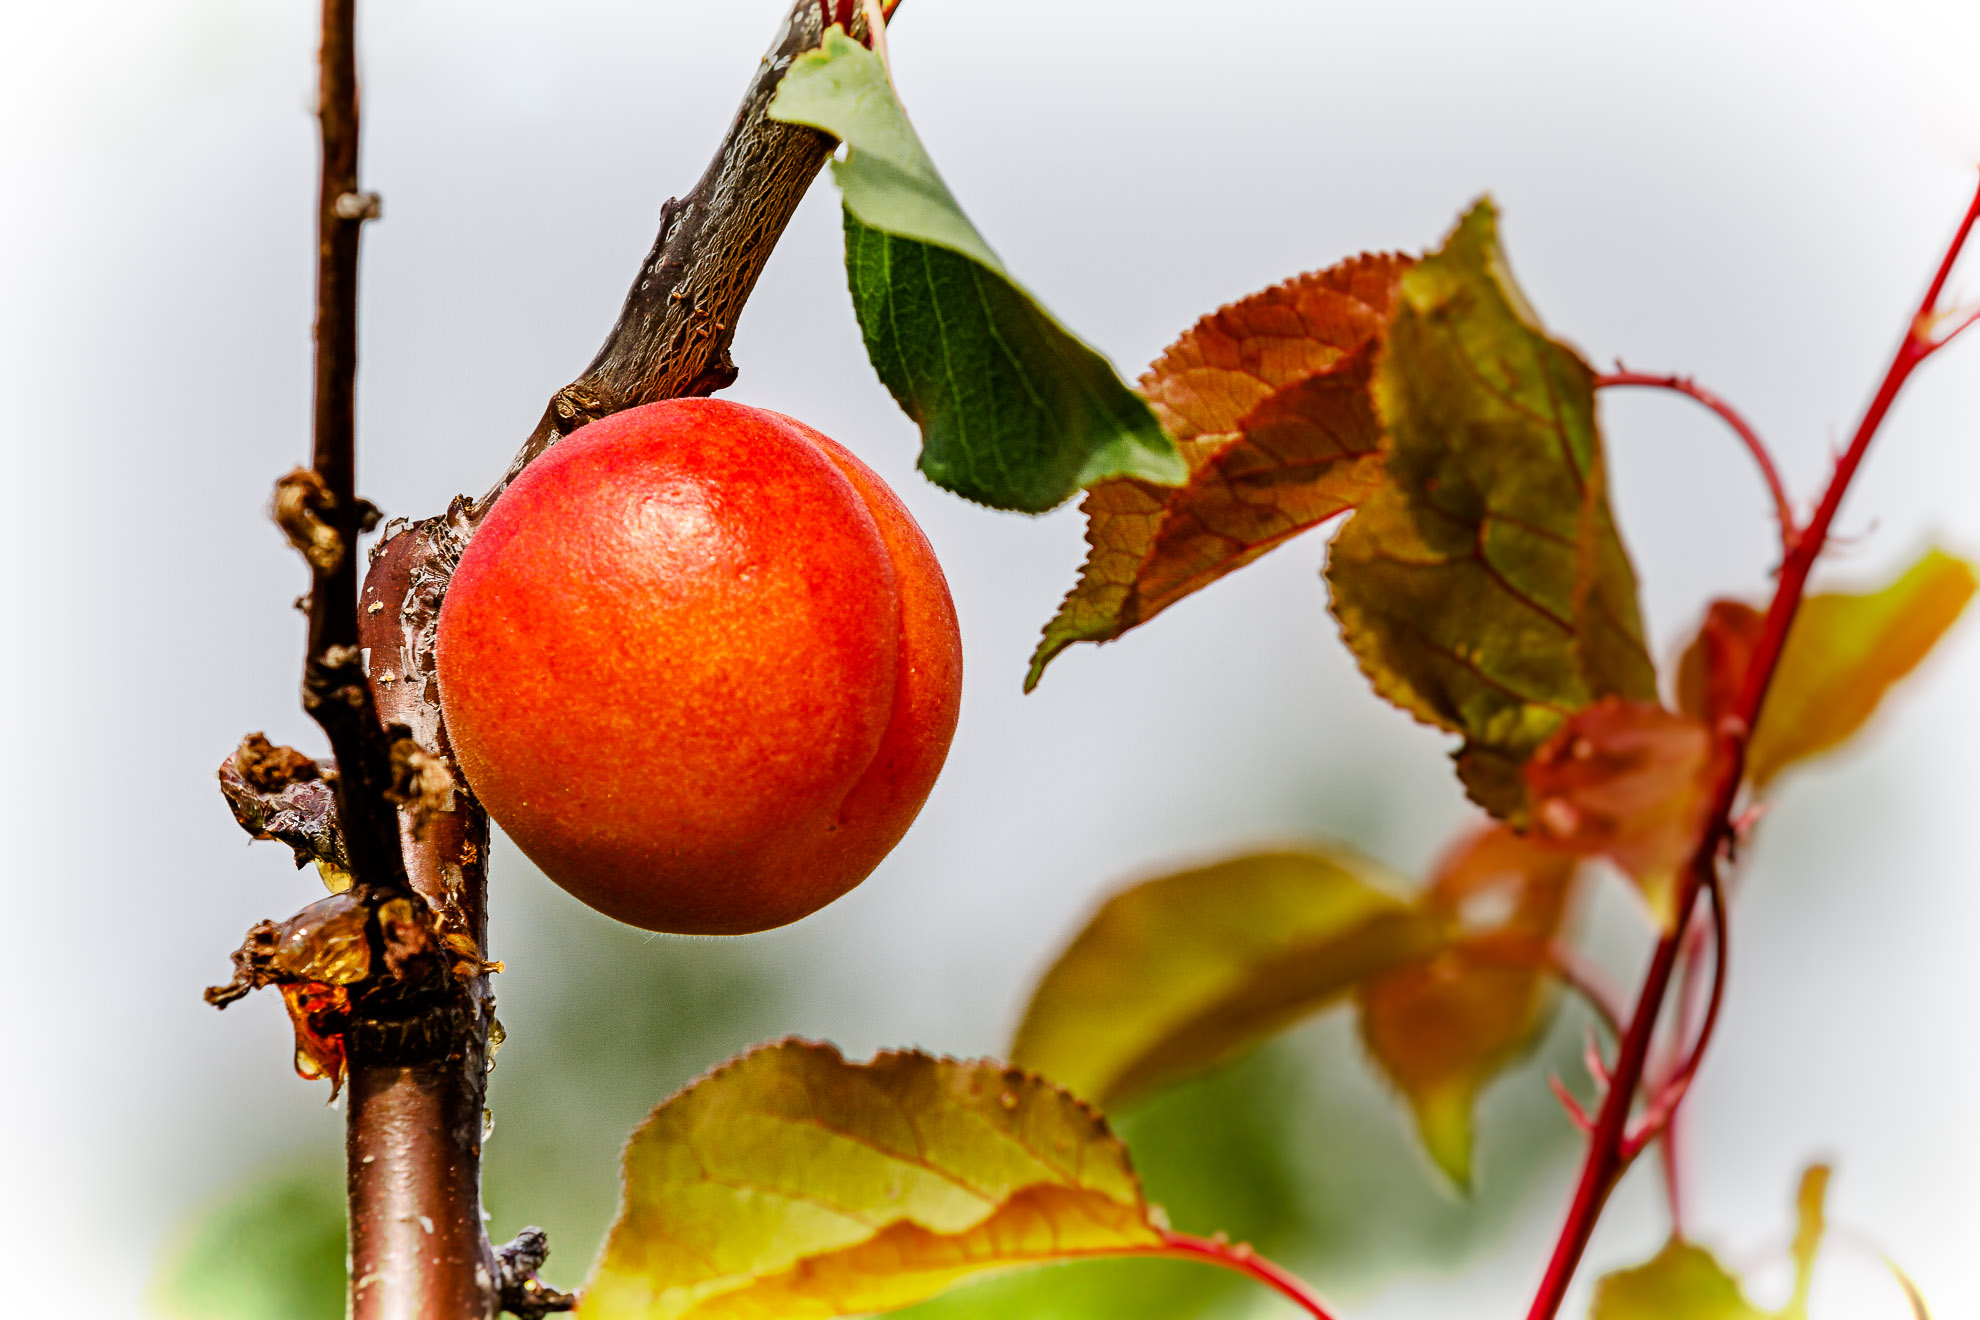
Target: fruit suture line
<point>1609,1146</point>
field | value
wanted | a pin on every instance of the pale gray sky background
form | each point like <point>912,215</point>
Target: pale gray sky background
<point>1752,192</point>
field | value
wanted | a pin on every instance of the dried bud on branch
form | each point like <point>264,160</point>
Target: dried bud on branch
<point>422,781</point>
<point>304,509</point>
<point>301,501</point>
<point>522,1293</point>
<point>279,793</point>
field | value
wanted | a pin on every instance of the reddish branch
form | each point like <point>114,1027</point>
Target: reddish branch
<point>1769,471</point>
<point>1670,1090</point>
<point>1608,1149</point>
<point>1670,1145</point>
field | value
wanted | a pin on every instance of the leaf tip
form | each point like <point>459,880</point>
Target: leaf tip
<point>1443,1121</point>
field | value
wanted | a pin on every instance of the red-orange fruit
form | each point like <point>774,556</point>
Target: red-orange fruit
<point>701,665</point>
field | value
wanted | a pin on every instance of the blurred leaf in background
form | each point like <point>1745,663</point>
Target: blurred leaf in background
<point>605,1022</point>
<point>274,1247</point>
<point>1299,1149</point>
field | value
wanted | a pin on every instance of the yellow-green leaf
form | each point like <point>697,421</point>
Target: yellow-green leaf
<point>1681,1282</point>
<point>1181,973</point>
<point>1484,589</point>
<point>1810,1224</point>
<point>789,1184</point>
<point>1913,1298</point>
<point>1843,654</point>
<point>1269,405</point>
<point>1444,1026</point>
<point>1685,1282</point>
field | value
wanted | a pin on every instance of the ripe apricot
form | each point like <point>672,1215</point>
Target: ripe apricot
<point>701,666</point>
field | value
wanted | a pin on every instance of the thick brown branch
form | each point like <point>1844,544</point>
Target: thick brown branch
<point>418,1081</point>
<point>673,334</point>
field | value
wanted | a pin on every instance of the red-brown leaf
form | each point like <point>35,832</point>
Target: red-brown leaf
<point>1630,781</point>
<point>1442,1027</point>
<point>1714,666</point>
<point>1268,402</point>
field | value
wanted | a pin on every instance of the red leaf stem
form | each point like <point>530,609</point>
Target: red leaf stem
<point>1671,1091</point>
<point>1241,1258</point>
<point>1605,1160</point>
<point>1671,1144</point>
<point>1966,321</point>
<point>1691,389</point>
<point>1576,1114</point>
<point>1591,1059</point>
<point>1582,976</point>
<point>1670,1151</point>
<point>1565,964</point>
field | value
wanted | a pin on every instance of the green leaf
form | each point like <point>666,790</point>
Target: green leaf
<point>1681,1282</point>
<point>1015,411</point>
<point>1843,654</point>
<point>1268,401</point>
<point>1484,589</point>
<point>272,1251</point>
<point>789,1183</point>
<point>1179,974</point>
<point>1443,1026</point>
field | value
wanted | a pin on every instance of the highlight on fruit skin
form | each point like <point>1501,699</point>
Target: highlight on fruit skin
<point>701,666</point>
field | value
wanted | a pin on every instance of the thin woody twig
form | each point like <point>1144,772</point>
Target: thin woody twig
<point>673,334</point>
<point>318,506</point>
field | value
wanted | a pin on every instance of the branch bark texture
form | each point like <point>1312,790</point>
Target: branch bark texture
<point>673,334</point>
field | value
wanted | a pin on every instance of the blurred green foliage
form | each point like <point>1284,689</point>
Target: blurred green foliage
<point>611,1022</point>
<point>275,1248</point>
<point>1298,1149</point>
